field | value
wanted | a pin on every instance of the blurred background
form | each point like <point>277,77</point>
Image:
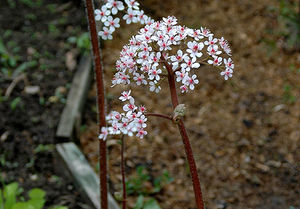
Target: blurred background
<point>245,133</point>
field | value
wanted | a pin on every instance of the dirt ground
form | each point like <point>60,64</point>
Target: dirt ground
<point>245,133</point>
<point>37,33</point>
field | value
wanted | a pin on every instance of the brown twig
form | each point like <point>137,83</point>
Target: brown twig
<point>123,172</point>
<point>100,101</point>
<point>14,83</point>
<point>185,139</point>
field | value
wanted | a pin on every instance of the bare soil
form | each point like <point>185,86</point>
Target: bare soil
<point>245,133</point>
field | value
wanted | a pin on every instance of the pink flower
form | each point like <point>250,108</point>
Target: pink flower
<point>131,16</point>
<point>194,48</point>
<point>227,73</point>
<point>132,4</point>
<point>190,63</point>
<point>229,63</point>
<point>106,33</point>
<point>104,133</point>
<point>115,6</point>
<point>216,61</point>
<point>125,96</point>
<point>112,23</point>
<point>102,14</point>
<point>190,81</point>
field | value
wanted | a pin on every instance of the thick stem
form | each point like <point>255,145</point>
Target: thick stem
<point>100,101</point>
<point>186,141</point>
<point>123,173</point>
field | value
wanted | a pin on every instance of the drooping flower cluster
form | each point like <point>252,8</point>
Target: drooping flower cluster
<point>131,121</point>
<point>111,8</point>
<point>165,44</point>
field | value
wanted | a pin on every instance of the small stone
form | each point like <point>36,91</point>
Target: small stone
<point>32,90</point>
<point>34,177</point>
<point>262,167</point>
<point>248,123</point>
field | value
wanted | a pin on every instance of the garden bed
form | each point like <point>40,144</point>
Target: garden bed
<point>36,35</point>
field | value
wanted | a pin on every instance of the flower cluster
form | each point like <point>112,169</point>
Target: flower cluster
<point>132,121</point>
<point>165,45</point>
<point>112,7</point>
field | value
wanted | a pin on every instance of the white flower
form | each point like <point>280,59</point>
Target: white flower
<point>154,73</point>
<point>112,23</point>
<point>131,16</point>
<point>227,73</point>
<point>190,81</point>
<point>104,133</point>
<point>115,6</point>
<point>106,33</point>
<point>229,63</point>
<point>130,106</point>
<point>213,50</point>
<point>211,41</point>
<point>141,121</point>
<point>131,121</point>
<point>225,46</point>
<point>140,79</point>
<point>102,14</point>
<point>132,4</point>
<point>141,133</point>
<point>141,17</point>
<point>184,89</point>
<point>190,63</point>
<point>147,54</point>
<point>178,59</point>
<point>194,48</point>
<point>180,75</point>
<point>216,61</point>
<point>154,86</point>
<point>205,32</point>
<point>125,96</point>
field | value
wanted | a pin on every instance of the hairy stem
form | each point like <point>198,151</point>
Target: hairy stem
<point>100,101</point>
<point>159,115</point>
<point>186,141</point>
<point>123,172</point>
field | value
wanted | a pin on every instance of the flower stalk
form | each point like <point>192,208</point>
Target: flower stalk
<point>186,141</point>
<point>100,100</point>
<point>124,200</point>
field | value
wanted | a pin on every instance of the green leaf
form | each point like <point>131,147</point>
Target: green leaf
<point>1,199</point>
<point>14,103</point>
<point>37,203</point>
<point>23,205</point>
<point>37,198</point>
<point>36,193</point>
<point>23,67</point>
<point>139,203</point>
<point>151,204</point>
<point>60,207</point>
<point>10,195</point>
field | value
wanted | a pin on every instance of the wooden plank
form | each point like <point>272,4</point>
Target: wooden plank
<point>75,99</point>
<point>84,176</point>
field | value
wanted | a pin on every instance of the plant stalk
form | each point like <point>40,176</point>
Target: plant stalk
<point>123,172</point>
<point>100,100</point>
<point>159,115</point>
<point>185,139</point>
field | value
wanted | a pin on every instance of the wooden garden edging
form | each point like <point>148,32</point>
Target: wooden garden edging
<point>75,99</point>
<point>71,161</point>
<point>84,176</point>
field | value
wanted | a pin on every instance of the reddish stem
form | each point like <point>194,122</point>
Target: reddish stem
<point>159,115</point>
<point>185,139</point>
<point>123,172</point>
<point>100,101</point>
